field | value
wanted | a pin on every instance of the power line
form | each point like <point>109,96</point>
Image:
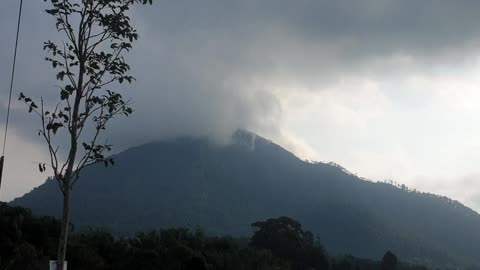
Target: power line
<point>12,79</point>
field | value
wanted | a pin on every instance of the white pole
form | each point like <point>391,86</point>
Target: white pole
<point>53,265</point>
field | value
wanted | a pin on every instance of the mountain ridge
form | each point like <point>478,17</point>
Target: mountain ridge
<point>222,188</point>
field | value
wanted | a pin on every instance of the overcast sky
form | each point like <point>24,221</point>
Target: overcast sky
<point>389,89</point>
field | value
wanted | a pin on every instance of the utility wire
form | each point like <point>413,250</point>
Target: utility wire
<point>12,79</point>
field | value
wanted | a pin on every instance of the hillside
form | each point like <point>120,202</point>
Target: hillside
<point>222,189</point>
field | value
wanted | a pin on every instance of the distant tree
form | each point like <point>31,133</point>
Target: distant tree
<point>286,239</point>
<point>25,258</point>
<point>96,34</point>
<point>389,261</point>
<point>343,263</point>
<point>91,250</point>
<point>195,263</point>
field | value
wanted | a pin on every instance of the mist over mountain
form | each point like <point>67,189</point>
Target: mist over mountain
<point>224,188</point>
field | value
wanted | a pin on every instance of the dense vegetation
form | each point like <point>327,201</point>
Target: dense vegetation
<point>27,243</point>
<point>192,182</point>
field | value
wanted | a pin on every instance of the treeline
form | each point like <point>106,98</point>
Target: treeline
<point>28,243</point>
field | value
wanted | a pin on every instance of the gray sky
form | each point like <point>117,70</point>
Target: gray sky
<point>388,89</point>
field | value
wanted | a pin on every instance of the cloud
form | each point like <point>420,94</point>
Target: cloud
<point>212,66</point>
<point>320,76</point>
<point>229,64</point>
<point>21,169</point>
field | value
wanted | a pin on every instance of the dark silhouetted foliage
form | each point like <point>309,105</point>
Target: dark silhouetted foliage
<point>278,244</point>
<point>286,239</point>
<point>389,261</point>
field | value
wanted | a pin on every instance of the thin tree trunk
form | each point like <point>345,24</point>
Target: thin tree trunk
<point>62,246</point>
<point>67,184</point>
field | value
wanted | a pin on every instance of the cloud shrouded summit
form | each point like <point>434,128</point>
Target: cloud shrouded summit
<point>348,81</point>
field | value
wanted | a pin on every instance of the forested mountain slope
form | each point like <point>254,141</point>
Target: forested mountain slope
<point>222,189</point>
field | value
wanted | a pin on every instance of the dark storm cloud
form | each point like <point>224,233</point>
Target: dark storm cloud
<point>208,67</point>
<point>32,74</point>
<point>356,29</point>
<point>216,60</point>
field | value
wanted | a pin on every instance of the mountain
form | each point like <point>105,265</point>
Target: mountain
<point>224,188</point>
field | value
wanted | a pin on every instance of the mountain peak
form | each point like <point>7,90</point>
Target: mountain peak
<point>245,138</point>
<point>223,189</point>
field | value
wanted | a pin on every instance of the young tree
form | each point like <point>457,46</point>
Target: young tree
<point>389,261</point>
<point>88,59</point>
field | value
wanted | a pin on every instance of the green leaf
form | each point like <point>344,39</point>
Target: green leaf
<point>64,94</point>
<point>61,75</point>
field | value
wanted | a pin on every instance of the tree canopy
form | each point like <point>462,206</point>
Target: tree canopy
<point>28,242</point>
